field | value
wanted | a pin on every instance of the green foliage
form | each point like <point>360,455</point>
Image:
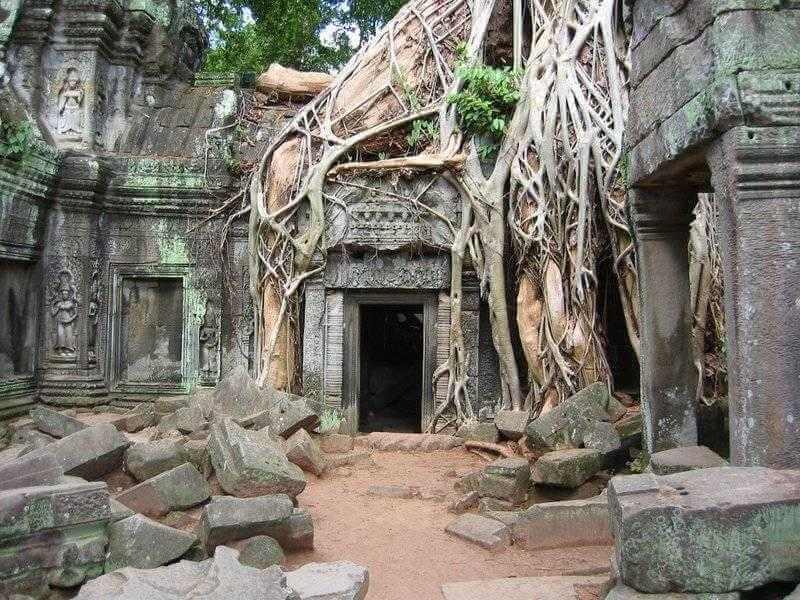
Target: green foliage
<point>484,104</point>
<point>15,138</point>
<point>249,35</point>
<point>330,420</point>
<point>423,133</point>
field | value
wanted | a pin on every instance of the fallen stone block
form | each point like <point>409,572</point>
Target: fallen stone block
<point>602,436</point>
<point>248,463</point>
<point>196,452</point>
<point>623,592</point>
<point>512,423</point>
<point>564,524</point>
<point>506,479</point>
<point>329,581</point>
<point>565,425</point>
<point>335,443</point>
<point>119,511</point>
<point>795,595</point>
<point>138,418</point>
<point>303,451</point>
<point>348,459</point>
<point>55,423</point>
<point>33,439</point>
<point>144,544</point>
<point>190,419</point>
<point>220,578</point>
<point>145,460</point>
<point>12,452</point>
<point>507,517</point>
<point>169,404</point>
<point>492,504</point>
<point>261,552</point>
<point>464,503</point>
<point>297,532</point>
<point>227,519</point>
<point>629,429</point>
<point>167,426</point>
<point>567,468</point>
<point>176,489</point>
<point>687,458</point>
<point>89,453</point>
<point>479,432</point>
<point>236,396</point>
<point>526,588</point>
<point>486,533</point>
<point>469,482</point>
<point>290,413</point>
<point>402,492</point>
<point>678,533</point>
<point>31,470</point>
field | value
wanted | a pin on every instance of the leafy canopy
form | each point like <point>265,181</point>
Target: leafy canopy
<point>249,35</point>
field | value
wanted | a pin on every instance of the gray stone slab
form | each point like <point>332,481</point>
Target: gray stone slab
<point>55,423</point>
<point>177,489</point>
<point>686,458</point>
<point>304,452</point>
<point>329,581</point>
<point>677,533</point>
<point>564,524</point>
<point>144,460</point>
<point>512,423</point>
<point>477,431</point>
<point>623,592</point>
<point>506,479</point>
<point>42,468</point>
<point>486,533</point>
<point>142,543</point>
<point>248,463</point>
<point>226,519</point>
<point>221,578</point>
<point>568,468</point>
<point>89,453</point>
<point>260,552</point>
<point>522,588</point>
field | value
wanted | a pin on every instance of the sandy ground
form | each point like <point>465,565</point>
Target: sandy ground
<point>403,542</point>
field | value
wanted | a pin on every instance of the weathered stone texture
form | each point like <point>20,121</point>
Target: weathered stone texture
<point>227,519</point>
<point>329,581</point>
<point>89,453</point>
<point>142,543</point>
<point>687,458</point>
<point>563,524</point>
<point>176,489</point>
<point>678,533</point>
<point>144,460</point>
<point>486,533</point>
<point>248,463</point>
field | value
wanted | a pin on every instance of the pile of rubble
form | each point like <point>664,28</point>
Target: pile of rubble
<point>689,528</point>
<point>169,534</point>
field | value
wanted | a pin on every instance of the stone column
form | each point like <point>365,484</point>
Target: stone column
<point>661,218</point>
<point>756,174</point>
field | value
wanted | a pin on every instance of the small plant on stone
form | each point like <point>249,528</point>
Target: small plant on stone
<point>330,421</point>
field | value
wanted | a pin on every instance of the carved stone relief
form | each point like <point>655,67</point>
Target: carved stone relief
<point>64,303</point>
<point>209,342</point>
<point>397,271</point>
<point>70,112</point>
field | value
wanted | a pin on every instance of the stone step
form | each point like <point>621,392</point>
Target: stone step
<point>486,533</point>
<point>408,442</point>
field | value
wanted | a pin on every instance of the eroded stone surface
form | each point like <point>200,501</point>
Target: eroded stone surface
<point>686,458</point>
<point>522,588</point>
<point>220,578</point>
<point>329,581</point>
<point>143,543</point>
<point>89,453</point>
<point>228,519</point>
<point>55,423</point>
<point>486,533</point>
<point>248,463</point>
<point>176,489</point>
<point>567,468</point>
<point>144,460</point>
<point>304,452</point>
<point>677,533</point>
<point>563,524</point>
<point>506,479</point>
<point>261,552</point>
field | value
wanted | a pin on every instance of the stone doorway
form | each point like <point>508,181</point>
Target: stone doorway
<point>388,355</point>
<point>391,367</point>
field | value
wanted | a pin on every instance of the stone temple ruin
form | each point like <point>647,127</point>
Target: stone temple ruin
<point>127,342</point>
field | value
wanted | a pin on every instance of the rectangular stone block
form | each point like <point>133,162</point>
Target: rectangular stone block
<point>55,423</point>
<point>486,533</point>
<point>564,524</point>
<point>713,530</point>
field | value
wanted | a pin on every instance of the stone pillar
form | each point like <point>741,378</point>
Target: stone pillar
<point>756,174</point>
<point>661,218</point>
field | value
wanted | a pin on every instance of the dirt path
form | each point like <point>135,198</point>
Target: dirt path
<point>402,541</point>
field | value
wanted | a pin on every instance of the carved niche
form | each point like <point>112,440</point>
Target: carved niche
<point>64,303</point>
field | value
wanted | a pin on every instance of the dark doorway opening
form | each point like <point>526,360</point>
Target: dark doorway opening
<point>391,363</point>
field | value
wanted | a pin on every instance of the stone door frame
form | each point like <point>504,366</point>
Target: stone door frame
<point>121,271</point>
<point>351,367</point>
